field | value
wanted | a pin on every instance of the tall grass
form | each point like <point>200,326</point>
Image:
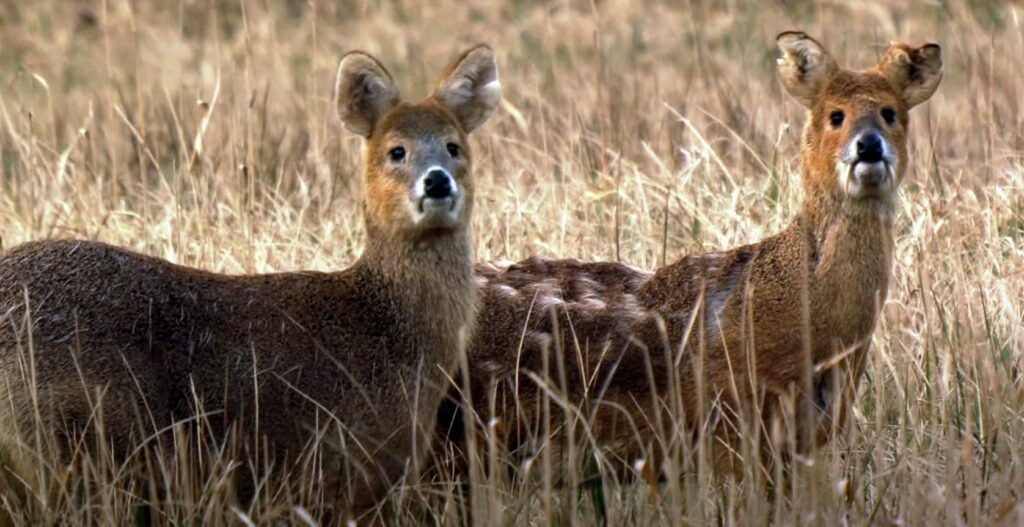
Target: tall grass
<point>204,133</point>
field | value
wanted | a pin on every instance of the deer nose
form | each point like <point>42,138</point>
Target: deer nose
<point>437,184</point>
<point>869,147</point>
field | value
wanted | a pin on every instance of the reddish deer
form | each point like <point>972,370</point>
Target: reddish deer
<point>643,358</point>
<point>352,363</point>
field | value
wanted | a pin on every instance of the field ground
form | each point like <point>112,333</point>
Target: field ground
<point>203,132</point>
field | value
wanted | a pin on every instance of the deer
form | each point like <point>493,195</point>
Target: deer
<point>353,362</point>
<point>780,327</point>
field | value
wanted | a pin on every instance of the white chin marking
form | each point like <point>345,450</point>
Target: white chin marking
<point>871,174</point>
<point>430,212</point>
<point>866,180</point>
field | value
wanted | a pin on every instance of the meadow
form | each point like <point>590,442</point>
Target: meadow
<point>204,132</point>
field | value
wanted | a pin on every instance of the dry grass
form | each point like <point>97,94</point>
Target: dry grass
<point>632,131</point>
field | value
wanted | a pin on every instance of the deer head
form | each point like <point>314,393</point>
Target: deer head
<point>855,141</point>
<point>416,155</point>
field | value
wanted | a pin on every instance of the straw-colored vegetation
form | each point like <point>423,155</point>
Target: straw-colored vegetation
<point>203,132</point>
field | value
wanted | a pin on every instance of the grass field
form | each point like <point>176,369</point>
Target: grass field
<point>204,132</point>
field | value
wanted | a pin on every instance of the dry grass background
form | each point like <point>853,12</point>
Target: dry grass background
<point>203,132</point>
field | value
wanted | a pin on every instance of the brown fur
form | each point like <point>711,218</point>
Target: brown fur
<point>614,340</point>
<point>359,355</point>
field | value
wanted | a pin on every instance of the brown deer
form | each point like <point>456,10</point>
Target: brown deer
<point>647,359</point>
<point>353,363</point>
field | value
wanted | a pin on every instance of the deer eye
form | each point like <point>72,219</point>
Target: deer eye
<point>836,118</point>
<point>889,115</point>
<point>454,150</point>
<point>396,154</point>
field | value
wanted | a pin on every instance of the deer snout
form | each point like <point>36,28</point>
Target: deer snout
<point>437,184</point>
<point>869,147</point>
<point>436,198</point>
<point>867,164</point>
<point>873,159</point>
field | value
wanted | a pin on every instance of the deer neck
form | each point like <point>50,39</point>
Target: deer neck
<point>433,275</point>
<point>849,246</point>
<point>846,233</point>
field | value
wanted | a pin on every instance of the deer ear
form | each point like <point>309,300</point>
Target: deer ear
<point>914,72</point>
<point>363,92</point>
<point>805,67</point>
<point>469,88</point>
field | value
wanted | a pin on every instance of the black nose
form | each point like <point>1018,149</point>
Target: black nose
<point>869,147</point>
<point>438,184</point>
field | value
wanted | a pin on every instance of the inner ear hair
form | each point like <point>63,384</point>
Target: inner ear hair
<point>914,72</point>
<point>805,67</point>
<point>469,88</point>
<point>364,92</point>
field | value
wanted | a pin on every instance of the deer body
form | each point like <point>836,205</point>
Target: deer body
<point>352,345</point>
<point>344,368</point>
<point>645,357</point>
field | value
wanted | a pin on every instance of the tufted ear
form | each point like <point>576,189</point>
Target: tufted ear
<point>363,92</point>
<point>915,73</point>
<point>805,67</point>
<point>469,87</point>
